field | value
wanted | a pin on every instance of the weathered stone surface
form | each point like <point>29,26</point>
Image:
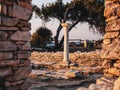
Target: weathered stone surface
<point>21,12</point>
<point>23,54</point>
<point>5,55</point>
<point>82,88</point>
<point>26,46</point>
<point>8,84</point>
<point>0,21</point>
<point>24,24</point>
<point>9,29</point>
<point>111,35</point>
<point>3,35</point>
<point>113,25</point>
<point>113,11</point>
<point>117,84</point>
<point>10,11</point>
<point>9,21</point>
<point>7,46</point>
<point>106,41</point>
<point>9,63</point>
<point>99,87</point>
<point>5,72</point>
<point>72,74</point>
<point>117,65</point>
<point>21,73</point>
<point>114,71</point>
<point>26,29</point>
<point>4,10</point>
<point>21,36</point>
<point>25,5</point>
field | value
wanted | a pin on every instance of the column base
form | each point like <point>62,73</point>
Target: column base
<point>65,63</point>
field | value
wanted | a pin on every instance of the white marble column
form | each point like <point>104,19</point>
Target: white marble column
<point>66,43</point>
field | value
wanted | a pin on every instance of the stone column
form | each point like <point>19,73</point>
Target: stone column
<point>14,43</point>
<point>66,43</point>
<point>111,42</point>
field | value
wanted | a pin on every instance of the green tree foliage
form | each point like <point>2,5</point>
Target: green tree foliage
<point>90,11</point>
<point>41,37</point>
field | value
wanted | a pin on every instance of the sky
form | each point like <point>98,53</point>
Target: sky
<point>81,31</point>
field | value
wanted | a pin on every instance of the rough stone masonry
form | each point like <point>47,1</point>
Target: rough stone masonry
<point>111,42</point>
<point>14,43</point>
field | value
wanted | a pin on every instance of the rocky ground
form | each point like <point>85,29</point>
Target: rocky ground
<point>50,74</point>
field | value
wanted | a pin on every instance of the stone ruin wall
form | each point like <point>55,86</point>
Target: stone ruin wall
<point>14,43</point>
<point>111,42</point>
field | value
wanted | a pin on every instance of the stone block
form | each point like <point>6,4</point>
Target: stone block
<point>10,11</point>
<point>113,11</point>
<point>114,71</point>
<point>82,88</point>
<point>113,25</point>
<point>6,55</point>
<point>25,5</point>
<point>21,12</point>
<point>72,74</point>
<point>19,74</point>
<point>21,36</point>
<point>9,84</point>
<point>5,72</point>
<point>24,54</point>
<point>26,46</point>
<point>106,41</point>
<point>26,29</point>
<point>109,35</point>
<point>7,46</point>
<point>99,87</point>
<point>9,63</point>
<point>117,84</point>
<point>24,24</point>
<point>4,10</point>
<point>9,29</point>
<point>3,35</point>
<point>9,21</point>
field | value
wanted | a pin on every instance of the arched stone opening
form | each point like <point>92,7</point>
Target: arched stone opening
<point>14,43</point>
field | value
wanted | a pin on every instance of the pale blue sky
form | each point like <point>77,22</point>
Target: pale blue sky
<point>81,31</point>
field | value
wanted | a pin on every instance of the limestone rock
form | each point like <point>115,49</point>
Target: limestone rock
<point>21,36</point>
<point>24,54</point>
<point>9,29</point>
<point>110,12</point>
<point>3,35</point>
<point>107,41</point>
<point>26,46</point>
<point>82,88</point>
<point>8,84</point>
<point>7,46</point>
<point>111,35</point>
<point>21,12</point>
<point>6,55</point>
<point>99,87</point>
<point>5,71</point>
<point>21,73</point>
<point>72,74</point>
<point>113,25</point>
<point>114,71</point>
<point>117,84</point>
<point>9,21</point>
<point>9,63</point>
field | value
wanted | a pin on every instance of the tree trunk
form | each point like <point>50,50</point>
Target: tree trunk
<point>57,36</point>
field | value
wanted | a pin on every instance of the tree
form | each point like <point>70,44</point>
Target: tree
<point>41,37</point>
<point>76,11</point>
